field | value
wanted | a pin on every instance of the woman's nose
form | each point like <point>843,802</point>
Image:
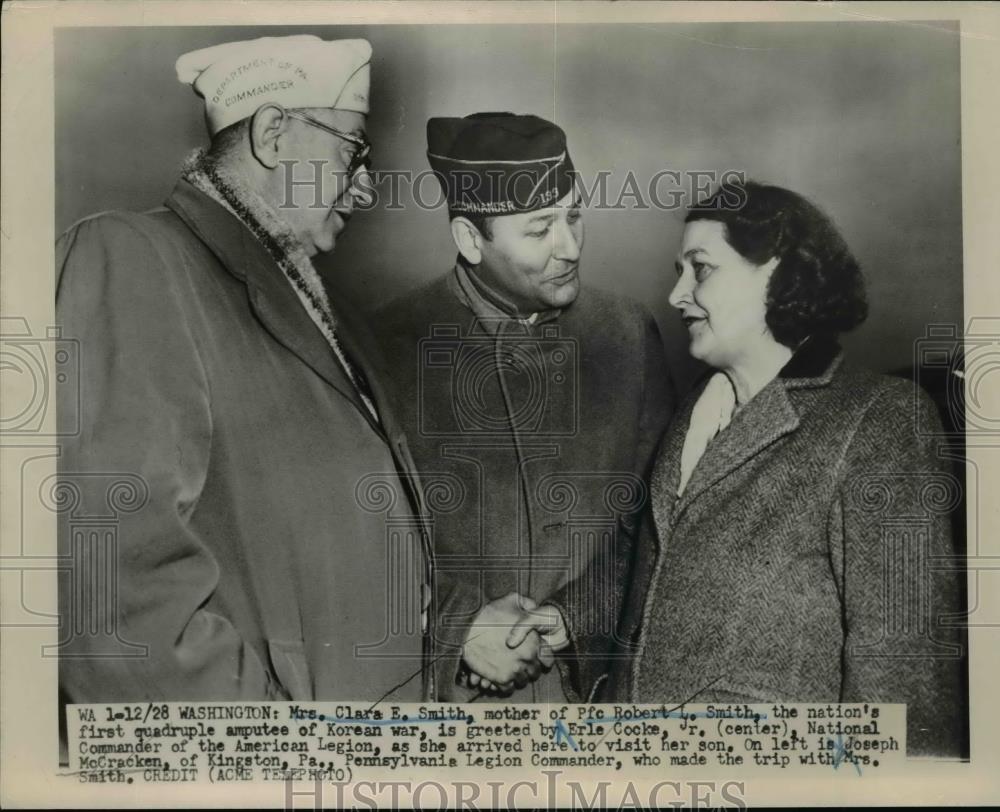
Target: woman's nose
<point>681,294</point>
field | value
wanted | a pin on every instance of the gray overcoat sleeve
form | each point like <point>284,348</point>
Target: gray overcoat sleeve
<point>145,413</point>
<point>894,563</point>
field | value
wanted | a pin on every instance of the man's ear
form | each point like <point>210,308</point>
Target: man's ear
<point>467,239</point>
<point>266,128</point>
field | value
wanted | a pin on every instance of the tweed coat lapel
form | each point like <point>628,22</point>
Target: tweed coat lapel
<point>765,419</point>
<point>771,415</point>
<point>273,300</point>
<point>666,473</point>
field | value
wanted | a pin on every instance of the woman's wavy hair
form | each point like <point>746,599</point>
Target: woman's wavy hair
<point>817,288</point>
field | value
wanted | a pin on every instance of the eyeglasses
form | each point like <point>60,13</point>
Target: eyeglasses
<point>362,155</point>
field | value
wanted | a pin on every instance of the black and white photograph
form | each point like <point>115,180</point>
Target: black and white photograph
<point>505,369</point>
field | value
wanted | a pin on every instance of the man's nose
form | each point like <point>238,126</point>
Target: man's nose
<point>362,188</point>
<point>567,247</point>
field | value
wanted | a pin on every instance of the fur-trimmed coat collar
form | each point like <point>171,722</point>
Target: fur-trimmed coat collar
<point>232,193</point>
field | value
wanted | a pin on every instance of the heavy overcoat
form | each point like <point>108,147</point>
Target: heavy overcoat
<point>270,546</point>
<point>808,559</point>
<point>533,442</point>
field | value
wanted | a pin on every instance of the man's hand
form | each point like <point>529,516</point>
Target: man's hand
<point>492,662</point>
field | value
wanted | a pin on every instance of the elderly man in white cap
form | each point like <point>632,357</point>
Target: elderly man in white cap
<point>274,547</point>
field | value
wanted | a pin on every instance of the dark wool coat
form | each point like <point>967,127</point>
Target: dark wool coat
<point>808,558</point>
<point>532,488</point>
<point>257,555</point>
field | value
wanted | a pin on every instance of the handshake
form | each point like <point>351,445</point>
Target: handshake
<point>511,642</point>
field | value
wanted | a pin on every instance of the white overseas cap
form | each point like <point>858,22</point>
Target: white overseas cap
<point>235,78</point>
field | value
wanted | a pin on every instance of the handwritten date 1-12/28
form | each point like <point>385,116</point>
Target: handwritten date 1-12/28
<point>137,713</point>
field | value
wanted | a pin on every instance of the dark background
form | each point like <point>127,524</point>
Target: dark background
<point>864,118</point>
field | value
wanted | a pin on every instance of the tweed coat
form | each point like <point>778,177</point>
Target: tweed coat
<point>543,502</point>
<point>808,557</point>
<point>271,513</point>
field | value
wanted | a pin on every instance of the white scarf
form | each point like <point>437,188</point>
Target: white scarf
<point>711,414</point>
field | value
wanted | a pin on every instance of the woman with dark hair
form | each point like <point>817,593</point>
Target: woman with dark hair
<point>802,545</point>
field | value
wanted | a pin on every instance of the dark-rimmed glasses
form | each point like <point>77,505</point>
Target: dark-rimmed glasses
<point>362,155</point>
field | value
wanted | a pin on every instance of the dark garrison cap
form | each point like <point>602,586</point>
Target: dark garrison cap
<point>493,164</point>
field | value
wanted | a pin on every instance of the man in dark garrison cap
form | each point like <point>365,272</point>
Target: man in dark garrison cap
<point>533,405</point>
